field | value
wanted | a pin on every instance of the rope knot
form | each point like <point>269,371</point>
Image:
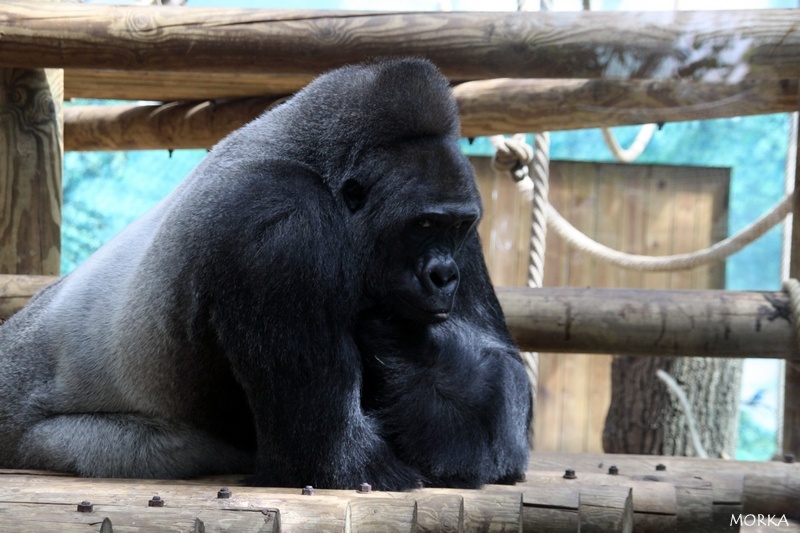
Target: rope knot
<point>512,155</point>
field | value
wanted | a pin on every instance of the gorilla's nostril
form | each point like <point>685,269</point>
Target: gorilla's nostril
<point>442,275</point>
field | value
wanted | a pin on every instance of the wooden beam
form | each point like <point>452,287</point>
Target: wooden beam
<point>790,436</point>
<point>716,46</point>
<point>30,170</point>
<point>487,108</point>
<point>146,127</point>
<point>712,323</point>
<point>169,86</point>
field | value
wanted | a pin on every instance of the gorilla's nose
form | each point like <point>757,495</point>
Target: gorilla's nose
<point>441,275</point>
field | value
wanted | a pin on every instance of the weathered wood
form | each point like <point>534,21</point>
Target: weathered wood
<point>168,86</point>
<point>30,171</point>
<point>776,494</point>
<point>174,125</point>
<point>37,518</point>
<point>16,291</point>
<point>718,46</point>
<point>383,514</point>
<point>712,323</point>
<point>487,108</point>
<point>750,487</point>
<point>604,509</point>
<point>789,437</point>
<point>579,506</point>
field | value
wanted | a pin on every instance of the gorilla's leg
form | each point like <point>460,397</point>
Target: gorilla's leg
<point>128,445</point>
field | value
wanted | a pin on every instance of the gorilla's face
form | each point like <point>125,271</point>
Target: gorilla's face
<point>428,278</point>
<point>420,203</point>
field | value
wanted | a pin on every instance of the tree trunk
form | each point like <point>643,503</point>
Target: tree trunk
<point>645,417</point>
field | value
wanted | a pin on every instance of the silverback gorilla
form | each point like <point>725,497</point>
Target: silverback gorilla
<point>310,305</point>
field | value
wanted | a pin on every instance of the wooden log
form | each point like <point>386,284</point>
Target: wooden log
<point>16,291</point>
<point>789,436</point>
<point>654,505</point>
<point>750,487</point>
<point>383,514</point>
<point>168,86</point>
<point>562,507</point>
<point>145,127</point>
<point>487,108</point>
<point>711,323</point>
<point>37,518</point>
<point>717,46</point>
<point>772,494</point>
<point>30,171</point>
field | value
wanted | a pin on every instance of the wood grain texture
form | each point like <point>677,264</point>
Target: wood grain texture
<point>30,171</point>
<point>717,46</point>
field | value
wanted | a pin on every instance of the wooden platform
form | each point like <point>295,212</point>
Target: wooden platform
<point>648,493</point>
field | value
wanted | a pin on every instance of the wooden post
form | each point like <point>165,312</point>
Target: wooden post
<point>791,383</point>
<point>31,150</point>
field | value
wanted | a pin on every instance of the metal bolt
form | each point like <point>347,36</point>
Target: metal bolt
<point>155,501</point>
<point>570,474</point>
<point>788,458</point>
<point>224,492</point>
<point>660,467</point>
<point>308,490</point>
<point>364,488</point>
<point>613,470</point>
<point>85,507</point>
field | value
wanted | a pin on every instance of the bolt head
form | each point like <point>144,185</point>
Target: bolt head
<point>308,490</point>
<point>365,487</point>
<point>155,501</point>
<point>789,458</point>
<point>613,470</point>
<point>570,474</point>
<point>224,493</point>
<point>661,467</point>
<point>85,507</point>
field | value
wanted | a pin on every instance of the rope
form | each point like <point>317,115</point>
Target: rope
<point>512,155</point>
<point>714,253</point>
<point>636,148</point>
<point>541,185</point>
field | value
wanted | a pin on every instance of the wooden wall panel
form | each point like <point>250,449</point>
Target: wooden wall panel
<point>642,209</point>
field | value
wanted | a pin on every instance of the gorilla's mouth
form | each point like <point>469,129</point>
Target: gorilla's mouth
<point>420,314</point>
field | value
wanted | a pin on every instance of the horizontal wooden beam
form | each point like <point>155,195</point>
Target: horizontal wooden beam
<point>709,323</point>
<point>487,107</point>
<point>716,46</point>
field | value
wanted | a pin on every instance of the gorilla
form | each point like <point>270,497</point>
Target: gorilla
<point>310,306</point>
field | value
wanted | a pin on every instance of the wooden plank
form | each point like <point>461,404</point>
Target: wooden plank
<point>719,46</point>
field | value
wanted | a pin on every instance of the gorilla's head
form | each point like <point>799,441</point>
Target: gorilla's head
<point>410,194</point>
<point>384,139</point>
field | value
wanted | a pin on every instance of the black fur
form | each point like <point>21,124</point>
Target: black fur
<point>310,304</point>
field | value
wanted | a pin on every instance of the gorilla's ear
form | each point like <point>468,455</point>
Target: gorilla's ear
<point>355,195</point>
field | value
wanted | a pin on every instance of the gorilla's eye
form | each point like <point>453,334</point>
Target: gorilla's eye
<point>355,195</point>
<point>424,223</point>
<point>457,225</point>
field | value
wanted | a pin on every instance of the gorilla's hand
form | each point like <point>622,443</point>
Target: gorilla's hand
<point>450,399</point>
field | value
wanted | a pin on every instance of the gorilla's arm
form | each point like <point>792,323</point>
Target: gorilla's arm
<point>296,361</point>
<point>452,398</point>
